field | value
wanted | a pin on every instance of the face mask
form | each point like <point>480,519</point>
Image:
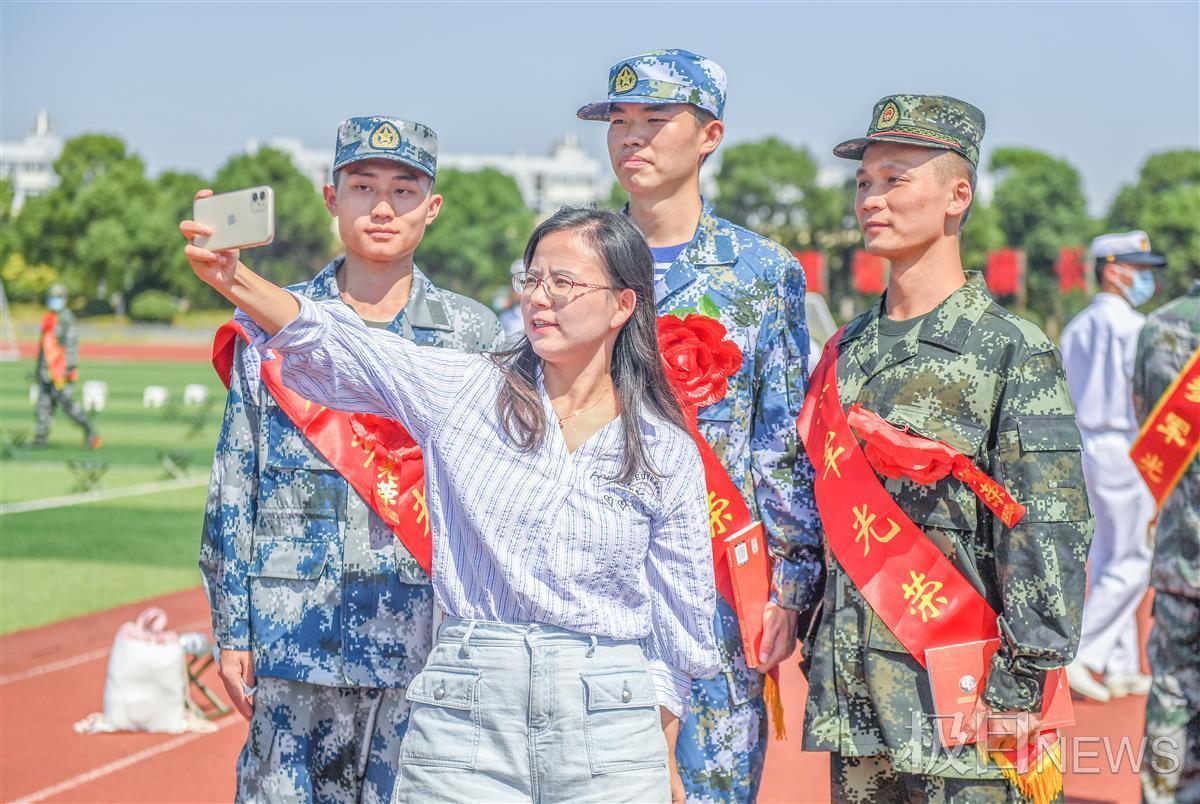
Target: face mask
<point>56,303</point>
<point>1141,289</point>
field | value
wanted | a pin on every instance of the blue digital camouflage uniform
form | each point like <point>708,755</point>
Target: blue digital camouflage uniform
<point>756,289</point>
<point>299,570</point>
<point>1171,764</point>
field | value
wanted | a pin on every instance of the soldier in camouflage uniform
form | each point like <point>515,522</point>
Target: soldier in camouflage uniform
<point>300,572</point>
<point>937,355</point>
<point>58,392</point>
<point>1171,764</point>
<point>664,111</point>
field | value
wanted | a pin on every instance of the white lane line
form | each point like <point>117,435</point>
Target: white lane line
<point>96,496</point>
<point>83,658</point>
<point>121,764</point>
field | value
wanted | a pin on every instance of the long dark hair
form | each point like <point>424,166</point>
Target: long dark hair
<point>637,371</point>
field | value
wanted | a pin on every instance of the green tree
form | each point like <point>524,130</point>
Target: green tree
<point>617,198</point>
<point>1165,203</point>
<point>981,235</point>
<point>1040,206</point>
<point>100,227</point>
<point>176,191</point>
<point>482,228</point>
<point>304,239</point>
<point>771,187</point>
<point>8,238</point>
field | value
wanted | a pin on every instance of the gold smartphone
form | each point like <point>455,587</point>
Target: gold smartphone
<point>239,219</point>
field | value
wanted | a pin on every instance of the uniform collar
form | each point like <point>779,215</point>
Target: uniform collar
<point>947,326</point>
<point>715,243</point>
<point>425,309</point>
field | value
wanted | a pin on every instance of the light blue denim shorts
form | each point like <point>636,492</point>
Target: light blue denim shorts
<point>532,713</point>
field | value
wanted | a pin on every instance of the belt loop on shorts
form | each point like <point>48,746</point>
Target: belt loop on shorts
<point>592,648</point>
<point>466,640</point>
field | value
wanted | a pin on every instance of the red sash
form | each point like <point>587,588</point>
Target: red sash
<point>905,578</point>
<point>52,351</point>
<point>1170,437</point>
<point>376,456</point>
<point>698,361</point>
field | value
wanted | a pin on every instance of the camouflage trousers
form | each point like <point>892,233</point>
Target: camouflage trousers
<point>722,745</point>
<point>312,743</point>
<point>1171,764</point>
<point>50,397</point>
<point>866,780</point>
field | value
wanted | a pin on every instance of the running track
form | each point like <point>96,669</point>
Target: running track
<point>52,676</point>
<point>163,352</point>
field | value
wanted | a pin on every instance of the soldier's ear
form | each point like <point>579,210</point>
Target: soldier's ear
<point>713,132</point>
<point>961,197</point>
<point>329,191</point>
<point>435,206</point>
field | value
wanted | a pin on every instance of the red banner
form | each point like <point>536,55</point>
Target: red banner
<point>1072,273</point>
<point>376,456</point>
<point>813,263</point>
<point>1170,437</point>
<point>868,273</point>
<point>1005,272</point>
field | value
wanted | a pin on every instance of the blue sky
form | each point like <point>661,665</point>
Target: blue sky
<point>187,84</point>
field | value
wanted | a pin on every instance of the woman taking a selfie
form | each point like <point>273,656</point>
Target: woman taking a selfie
<point>570,524</point>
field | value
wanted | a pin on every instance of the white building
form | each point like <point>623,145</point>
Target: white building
<point>567,175</point>
<point>29,163</point>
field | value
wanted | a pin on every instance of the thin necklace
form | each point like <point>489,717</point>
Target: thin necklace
<point>562,420</point>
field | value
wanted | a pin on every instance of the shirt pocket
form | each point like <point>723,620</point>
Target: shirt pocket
<point>444,724</point>
<point>948,503</point>
<point>621,725</point>
<point>287,448</point>
<point>300,494</point>
<point>964,435</point>
<point>289,561</point>
<point>1043,468</point>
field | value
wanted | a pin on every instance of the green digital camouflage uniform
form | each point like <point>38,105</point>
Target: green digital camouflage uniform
<point>991,385</point>
<point>1171,764</point>
<point>50,395</point>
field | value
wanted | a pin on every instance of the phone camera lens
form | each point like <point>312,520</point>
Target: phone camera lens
<point>254,197</point>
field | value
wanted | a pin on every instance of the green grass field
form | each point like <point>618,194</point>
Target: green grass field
<point>63,562</point>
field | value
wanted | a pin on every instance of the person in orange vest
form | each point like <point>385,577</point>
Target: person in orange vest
<point>58,370</point>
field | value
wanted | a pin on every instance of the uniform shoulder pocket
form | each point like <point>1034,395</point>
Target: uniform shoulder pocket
<point>1043,468</point>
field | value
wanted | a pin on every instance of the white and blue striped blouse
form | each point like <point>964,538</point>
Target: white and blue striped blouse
<point>544,537</point>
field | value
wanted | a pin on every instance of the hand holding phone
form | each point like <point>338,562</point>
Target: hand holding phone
<point>238,219</point>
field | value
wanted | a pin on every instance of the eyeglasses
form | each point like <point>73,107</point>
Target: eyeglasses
<point>557,286</point>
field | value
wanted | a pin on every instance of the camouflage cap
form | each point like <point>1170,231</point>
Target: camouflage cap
<point>362,138</point>
<point>663,76</point>
<point>932,121</point>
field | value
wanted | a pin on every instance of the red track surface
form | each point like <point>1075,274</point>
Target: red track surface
<point>52,676</point>
<point>162,352</point>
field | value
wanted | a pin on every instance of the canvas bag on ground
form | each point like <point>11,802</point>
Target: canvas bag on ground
<point>146,688</point>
